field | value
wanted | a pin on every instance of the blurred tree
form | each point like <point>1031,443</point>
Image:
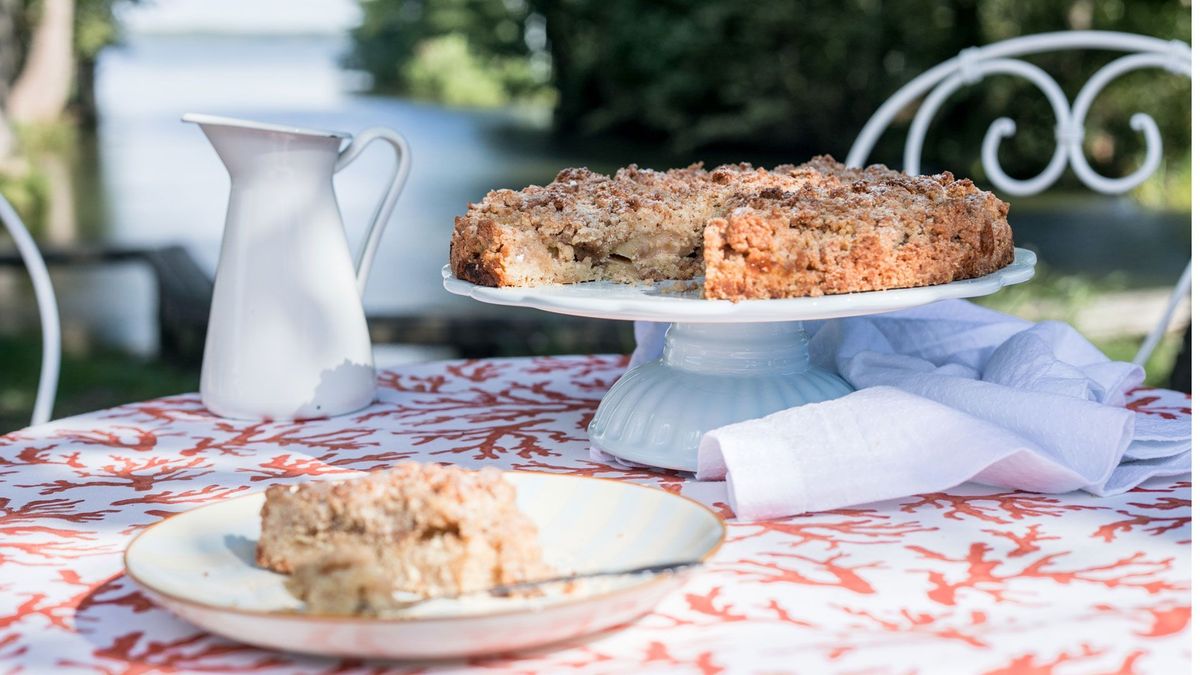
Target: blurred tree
<point>11,16</point>
<point>460,52</point>
<point>806,76</point>
<point>800,77</point>
<point>96,27</point>
<point>40,92</point>
<point>47,56</point>
<point>47,61</point>
<point>446,70</point>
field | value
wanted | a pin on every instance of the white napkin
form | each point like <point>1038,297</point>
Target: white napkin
<point>947,393</point>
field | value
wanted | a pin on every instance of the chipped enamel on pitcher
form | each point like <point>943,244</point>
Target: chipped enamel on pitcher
<point>287,335</point>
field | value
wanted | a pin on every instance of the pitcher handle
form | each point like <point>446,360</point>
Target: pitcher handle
<point>384,210</point>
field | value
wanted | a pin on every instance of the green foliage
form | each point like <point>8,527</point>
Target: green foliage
<point>1051,294</point>
<point>25,186</point>
<point>95,26</point>
<point>1162,360</point>
<point>1062,297</point>
<point>28,192</point>
<point>806,76</point>
<point>780,75</point>
<point>460,52</point>
<point>1170,188</point>
<point>445,70</point>
<point>91,381</point>
<point>60,136</point>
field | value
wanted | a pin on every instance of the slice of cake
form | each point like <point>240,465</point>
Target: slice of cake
<point>427,529</point>
<point>807,230</point>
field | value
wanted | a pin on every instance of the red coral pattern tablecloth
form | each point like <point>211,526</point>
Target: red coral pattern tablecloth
<point>970,580</point>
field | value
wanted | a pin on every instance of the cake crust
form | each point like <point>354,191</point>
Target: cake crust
<point>845,231</point>
<point>814,229</point>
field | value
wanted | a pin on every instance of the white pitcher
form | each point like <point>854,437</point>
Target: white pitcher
<point>287,336</point>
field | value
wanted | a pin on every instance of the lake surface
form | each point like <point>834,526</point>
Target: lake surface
<point>149,179</point>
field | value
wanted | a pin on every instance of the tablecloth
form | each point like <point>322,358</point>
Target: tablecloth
<point>969,580</point>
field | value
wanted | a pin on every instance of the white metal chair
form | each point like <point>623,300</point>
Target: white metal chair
<point>975,63</point>
<point>47,309</point>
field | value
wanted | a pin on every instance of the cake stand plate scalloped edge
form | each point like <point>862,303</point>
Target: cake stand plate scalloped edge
<point>723,362</point>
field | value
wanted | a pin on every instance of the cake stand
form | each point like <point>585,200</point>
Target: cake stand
<point>722,362</point>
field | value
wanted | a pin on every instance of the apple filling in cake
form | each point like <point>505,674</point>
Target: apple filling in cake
<point>587,227</point>
<point>423,529</point>
<point>814,229</point>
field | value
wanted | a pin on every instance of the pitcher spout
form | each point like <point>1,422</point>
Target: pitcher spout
<point>239,143</point>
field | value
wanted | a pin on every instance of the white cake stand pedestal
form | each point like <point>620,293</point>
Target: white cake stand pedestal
<point>723,362</point>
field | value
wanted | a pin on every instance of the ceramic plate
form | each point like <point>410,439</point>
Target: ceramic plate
<point>200,565</point>
<point>681,301</point>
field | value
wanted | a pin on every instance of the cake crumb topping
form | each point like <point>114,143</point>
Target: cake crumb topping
<point>812,229</point>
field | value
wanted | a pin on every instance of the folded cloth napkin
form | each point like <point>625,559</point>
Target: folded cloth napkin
<point>947,393</point>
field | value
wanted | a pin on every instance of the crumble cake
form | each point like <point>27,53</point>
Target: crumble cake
<point>814,229</point>
<point>351,580</point>
<point>417,528</point>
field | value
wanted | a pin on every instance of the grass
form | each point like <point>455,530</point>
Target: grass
<point>92,381</point>
<point>1063,297</point>
<point>1162,360</point>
